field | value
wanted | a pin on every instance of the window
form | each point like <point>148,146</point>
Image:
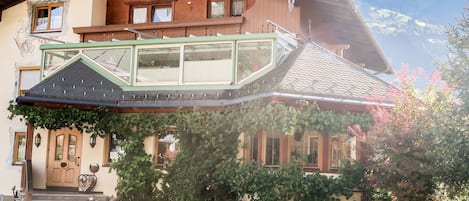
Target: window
<point>272,151</point>
<point>237,7</point>
<point>116,60</point>
<point>217,8</point>
<point>162,14</point>
<point>340,150</point>
<point>19,149</point>
<point>208,63</point>
<point>313,152</point>
<point>47,17</point>
<point>112,149</point>
<point>28,77</point>
<point>146,13</point>
<point>166,150</point>
<point>139,15</point>
<point>252,57</point>
<point>158,65</point>
<point>255,148</point>
<point>55,59</point>
<point>306,149</point>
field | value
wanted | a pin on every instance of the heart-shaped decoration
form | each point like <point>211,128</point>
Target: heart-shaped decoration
<point>86,182</point>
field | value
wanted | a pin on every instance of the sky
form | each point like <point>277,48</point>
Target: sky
<point>412,32</point>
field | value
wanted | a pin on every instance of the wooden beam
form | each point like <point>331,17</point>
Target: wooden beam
<point>29,141</point>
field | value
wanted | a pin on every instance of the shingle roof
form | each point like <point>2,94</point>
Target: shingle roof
<point>77,82</point>
<point>308,71</point>
<point>316,71</point>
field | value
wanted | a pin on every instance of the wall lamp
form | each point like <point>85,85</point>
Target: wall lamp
<point>37,140</point>
<point>93,141</point>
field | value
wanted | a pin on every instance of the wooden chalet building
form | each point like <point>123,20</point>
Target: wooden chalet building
<point>158,55</point>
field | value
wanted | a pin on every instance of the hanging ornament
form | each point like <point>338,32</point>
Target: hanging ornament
<point>291,4</point>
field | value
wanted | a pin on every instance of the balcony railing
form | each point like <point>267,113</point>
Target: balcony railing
<point>186,28</point>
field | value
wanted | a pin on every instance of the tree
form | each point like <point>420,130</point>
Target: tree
<point>398,142</point>
<point>453,142</point>
<point>456,71</point>
<point>419,148</point>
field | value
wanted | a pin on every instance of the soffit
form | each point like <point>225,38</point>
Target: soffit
<point>344,19</point>
<point>4,4</point>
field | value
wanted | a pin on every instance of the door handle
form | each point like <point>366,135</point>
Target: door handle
<point>77,161</point>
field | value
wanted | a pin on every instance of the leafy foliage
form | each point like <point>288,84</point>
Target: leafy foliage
<point>456,71</point>
<point>207,167</point>
<point>291,183</point>
<point>453,143</point>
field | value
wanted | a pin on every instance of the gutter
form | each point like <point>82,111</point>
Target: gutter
<point>202,103</point>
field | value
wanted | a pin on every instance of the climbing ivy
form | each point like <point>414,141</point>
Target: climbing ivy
<point>207,167</point>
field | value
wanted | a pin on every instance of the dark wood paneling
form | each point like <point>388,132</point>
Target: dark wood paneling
<point>197,9</point>
<point>117,12</point>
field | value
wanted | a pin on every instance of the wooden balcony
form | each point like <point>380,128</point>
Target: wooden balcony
<point>205,27</point>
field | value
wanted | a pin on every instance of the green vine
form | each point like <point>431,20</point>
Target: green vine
<point>207,167</point>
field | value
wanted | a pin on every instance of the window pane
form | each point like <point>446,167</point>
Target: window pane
<point>55,59</point>
<point>139,15</point>
<point>158,65</point>
<point>217,9</point>
<point>20,147</point>
<point>162,147</point>
<point>336,155</point>
<point>167,150</point>
<point>115,60</point>
<point>28,78</point>
<point>312,157</point>
<point>72,143</point>
<point>42,18</point>
<point>252,57</point>
<point>208,63</point>
<point>255,148</point>
<point>162,14</point>
<point>59,140</point>
<point>237,7</point>
<point>56,17</point>
<point>272,151</point>
<point>114,148</point>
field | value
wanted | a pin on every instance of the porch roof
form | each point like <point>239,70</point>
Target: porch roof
<point>311,73</point>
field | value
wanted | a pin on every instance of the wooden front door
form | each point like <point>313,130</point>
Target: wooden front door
<point>63,167</point>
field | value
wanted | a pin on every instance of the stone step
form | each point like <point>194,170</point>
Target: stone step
<point>44,196</point>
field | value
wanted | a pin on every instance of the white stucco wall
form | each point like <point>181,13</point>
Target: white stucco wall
<point>18,48</point>
<point>9,31</point>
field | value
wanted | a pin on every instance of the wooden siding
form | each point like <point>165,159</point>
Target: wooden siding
<point>117,12</point>
<point>197,9</point>
<point>260,11</point>
<point>191,19</point>
<point>206,27</point>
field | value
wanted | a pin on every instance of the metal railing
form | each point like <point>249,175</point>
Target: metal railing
<point>281,29</point>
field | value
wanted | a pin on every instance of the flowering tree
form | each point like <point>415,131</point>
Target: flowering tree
<point>399,141</point>
<point>419,148</point>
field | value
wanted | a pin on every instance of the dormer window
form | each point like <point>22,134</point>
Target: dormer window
<point>151,13</point>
